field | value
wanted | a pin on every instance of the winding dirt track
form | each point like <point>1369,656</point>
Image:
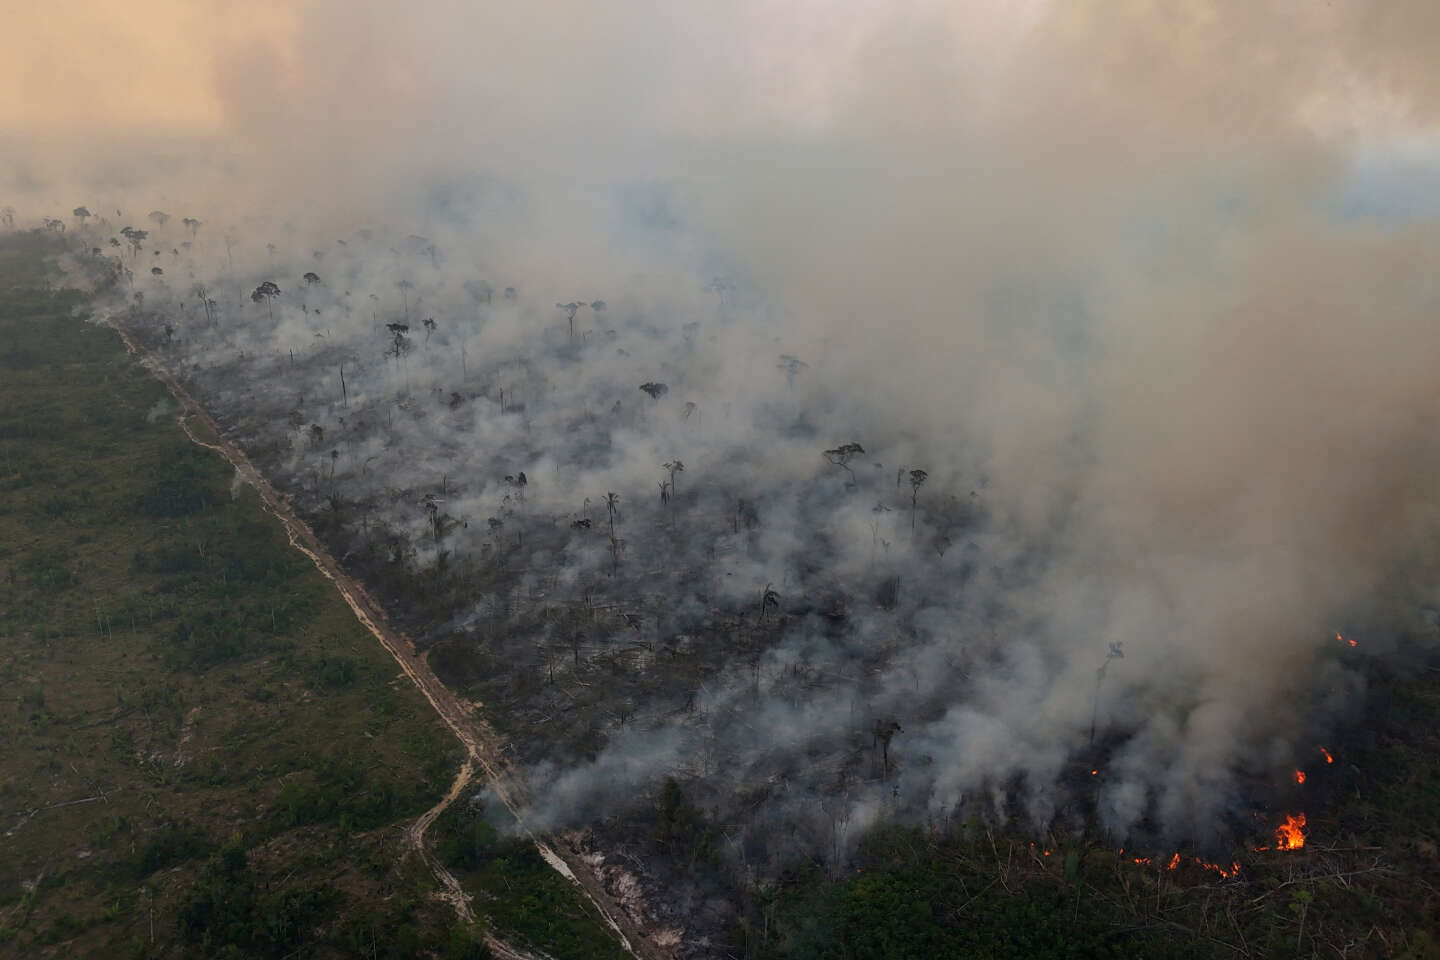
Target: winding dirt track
<point>481,744</point>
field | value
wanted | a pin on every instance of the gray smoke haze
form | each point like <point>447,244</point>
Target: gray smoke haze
<point>1098,263</point>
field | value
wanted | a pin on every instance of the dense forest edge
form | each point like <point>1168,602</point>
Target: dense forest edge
<point>207,755</point>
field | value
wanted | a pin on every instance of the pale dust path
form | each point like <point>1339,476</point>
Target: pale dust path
<point>480,743</point>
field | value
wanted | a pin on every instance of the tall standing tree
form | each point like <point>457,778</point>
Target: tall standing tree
<point>842,455</point>
<point>571,308</point>
<point>266,292</point>
<point>206,303</point>
<point>82,214</point>
<point>159,217</point>
<point>876,513</point>
<point>192,225</point>
<point>1116,652</point>
<point>769,600</point>
<point>400,348</point>
<point>884,732</point>
<point>612,504</point>
<point>438,521</point>
<point>674,466</point>
<point>917,480</point>
<point>136,238</point>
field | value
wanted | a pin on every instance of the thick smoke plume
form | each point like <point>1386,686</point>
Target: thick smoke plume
<point>1146,289</point>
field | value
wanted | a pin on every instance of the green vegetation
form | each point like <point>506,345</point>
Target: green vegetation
<point>205,754</point>
<point>526,901</point>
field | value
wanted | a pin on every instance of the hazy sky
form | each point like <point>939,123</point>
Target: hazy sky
<point>307,90</point>
<point>376,85</point>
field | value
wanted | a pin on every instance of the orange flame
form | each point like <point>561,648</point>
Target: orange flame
<point>1299,776</point>
<point>1233,869</point>
<point>1174,863</point>
<point>1353,643</point>
<point>1328,758</point>
<point>1290,835</point>
<point>1094,772</point>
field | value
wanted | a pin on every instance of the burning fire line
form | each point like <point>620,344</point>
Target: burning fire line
<point>1233,870</point>
<point>1290,835</point>
<point>1353,643</point>
<point>1174,864</point>
<point>1299,776</point>
<point>1328,758</point>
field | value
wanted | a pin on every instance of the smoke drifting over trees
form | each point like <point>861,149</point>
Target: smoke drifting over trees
<point>1020,340</point>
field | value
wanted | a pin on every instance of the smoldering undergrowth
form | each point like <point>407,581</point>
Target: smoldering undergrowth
<point>1132,364</point>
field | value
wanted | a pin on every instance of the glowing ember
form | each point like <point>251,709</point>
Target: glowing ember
<point>1353,643</point>
<point>1094,772</point>
<point>1290,835</point>
<point>1227,873</point>
<point>1174,864</point>
<point>1328,758</point>
<point>1299,776</point>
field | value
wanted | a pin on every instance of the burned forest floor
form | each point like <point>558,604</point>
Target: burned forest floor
<point>563,669</point>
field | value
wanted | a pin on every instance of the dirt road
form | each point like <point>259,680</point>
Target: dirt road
<point>481,744</point>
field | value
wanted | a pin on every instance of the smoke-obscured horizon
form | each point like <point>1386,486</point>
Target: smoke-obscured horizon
<point>1148,294</point>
